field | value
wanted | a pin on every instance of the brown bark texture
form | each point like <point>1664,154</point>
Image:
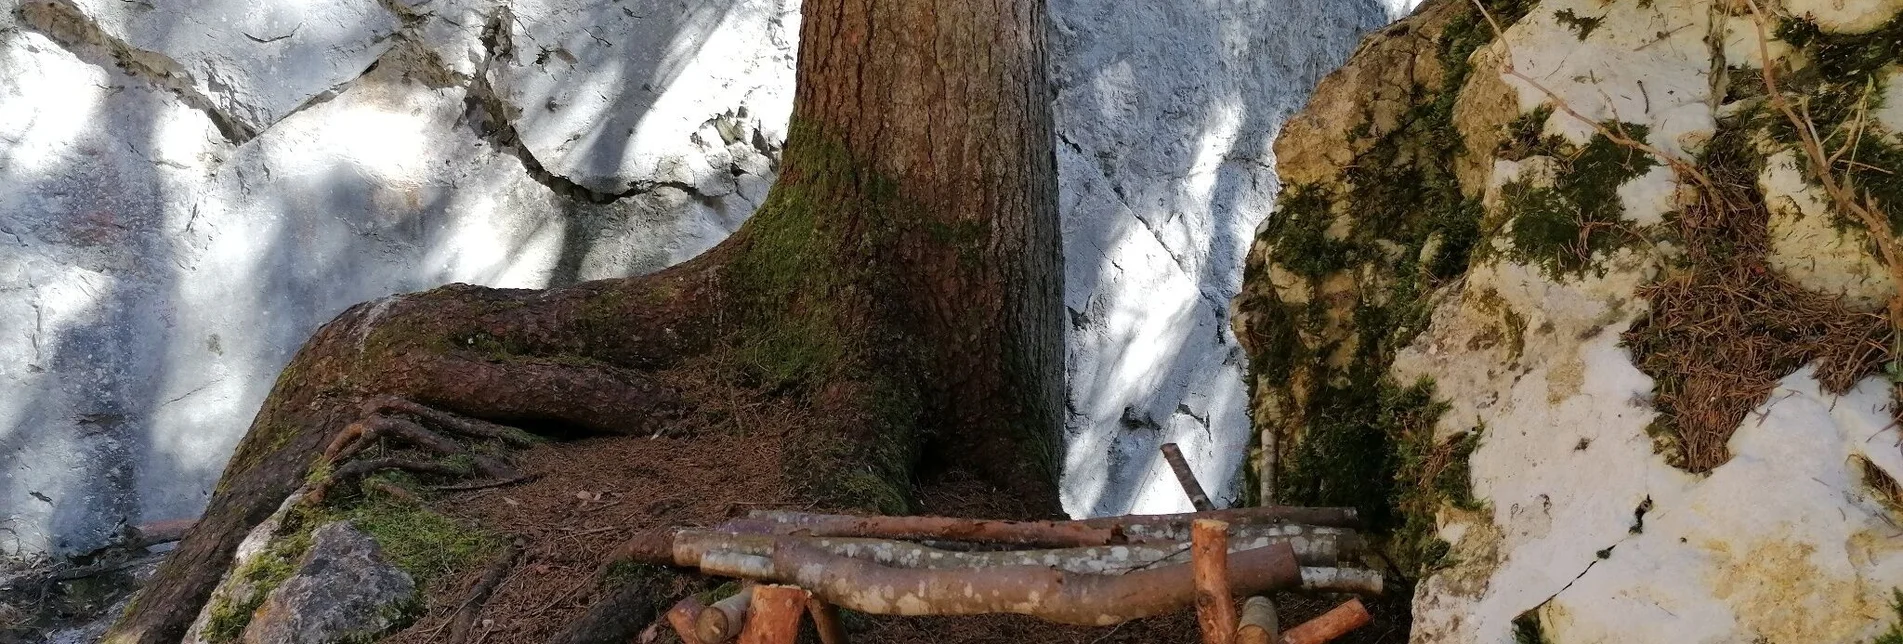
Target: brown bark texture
<point>826,621</point>
<point>1209,560</point>
<point>902,280</point>
<point>774,617</point>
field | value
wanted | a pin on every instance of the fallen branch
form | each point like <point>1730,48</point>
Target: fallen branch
<point>1359,581</point>
<point>775,615</point>
<point>1209,563</point>
<point>1057,534</point>
<point>1312,546</point>
<point>1187,478</point>
<point>1259,623</point>
<point>1052,595</point>
<point>1330,625</point>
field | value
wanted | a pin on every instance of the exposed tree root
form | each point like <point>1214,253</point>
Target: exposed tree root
<point>463,622</point>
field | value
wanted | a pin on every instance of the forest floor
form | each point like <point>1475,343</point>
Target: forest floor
<point>587,496</point>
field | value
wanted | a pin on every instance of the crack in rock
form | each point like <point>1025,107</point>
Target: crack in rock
<point>74,30</point>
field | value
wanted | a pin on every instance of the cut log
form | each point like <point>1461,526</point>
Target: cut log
<point>1259,623</point>
<point>722,621</point>
<point>1070,598</point>
<point>1313,547</point>
<point>1330,625</point>
<point>1186,478</point>
<point>682,617</point>
<point>774,617</point>
<point>1215,608</point>
<point>1052,534</point>
<point>1343,580</point>
<point>826,620</point>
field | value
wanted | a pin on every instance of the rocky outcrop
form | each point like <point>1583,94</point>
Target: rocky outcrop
<point>1165,114</point>
<point>1570,310</point>
<point>342,591</point>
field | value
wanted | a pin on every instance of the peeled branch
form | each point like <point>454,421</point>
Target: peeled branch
<point>775,615</point>
<point>1053,595</point>
<point>1053,534</point>
<point>682,617</point>
<point>1311,545</point>
<point>1215,606</point>
<point>1330,625</point>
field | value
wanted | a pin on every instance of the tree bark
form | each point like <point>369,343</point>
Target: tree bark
<point>901,281</point>
<point>826,621</point>
<point>682,618</point>
<point>722,621</point>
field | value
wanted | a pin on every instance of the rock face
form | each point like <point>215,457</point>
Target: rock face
<point>187,189</point>
<point>342,591</point>
<point>1570,309</point>
<point>1165,113</point>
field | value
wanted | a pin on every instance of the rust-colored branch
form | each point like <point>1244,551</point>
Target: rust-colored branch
<point>1215,607</point>
<point>721,622</point>
<point>682,617</point>
<point>826,620</point>
<point>1029,590</point>
<point>1187,478</point>
<point>1259,622</point>
<point>774,617</point>
<point>1330,625</point>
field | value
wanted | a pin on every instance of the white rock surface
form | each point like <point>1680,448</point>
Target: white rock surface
<point>1165,116</point>
<point>1845,16</point>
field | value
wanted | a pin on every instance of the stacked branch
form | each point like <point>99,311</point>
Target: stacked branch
<point>1094,572</point>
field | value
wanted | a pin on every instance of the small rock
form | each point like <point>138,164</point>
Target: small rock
<point>343,590</point>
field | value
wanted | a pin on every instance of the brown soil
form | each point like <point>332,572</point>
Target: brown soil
<point>587,496</point>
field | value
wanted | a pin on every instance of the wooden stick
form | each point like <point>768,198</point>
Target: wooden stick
<point>775,615</point>
<point>722,621</point>
<point>1332,624</point>
<point>1053,534</point>
<point>1259,623</point>
<point>1187,478</point>
<point>1054,595</point>
<point>1215,608</point>
<point>826,620</point>
<point>1323,547</point>
<point>682,617</point>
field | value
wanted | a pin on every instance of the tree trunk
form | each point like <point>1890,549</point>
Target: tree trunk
<point>902,282</point>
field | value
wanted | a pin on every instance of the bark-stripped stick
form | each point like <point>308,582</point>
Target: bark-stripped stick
<point>1040,592</point>
<point>1332,624</point>
<point>1055,534</point>
<point>1215,607</point>
<point>721,621</point>
<point>774,617</point>
<point>1187,478</point>
<point>1259,623</point>
<point>1313,547</point>
<point>826,621</point>
<point>682,617</point>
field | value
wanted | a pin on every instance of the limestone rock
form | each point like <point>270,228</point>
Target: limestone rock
<point>1845,16</point>
<point>343,591</point>
<point>1810,248</point>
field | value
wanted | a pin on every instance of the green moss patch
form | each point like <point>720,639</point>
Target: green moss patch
<point>1562,228</point>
